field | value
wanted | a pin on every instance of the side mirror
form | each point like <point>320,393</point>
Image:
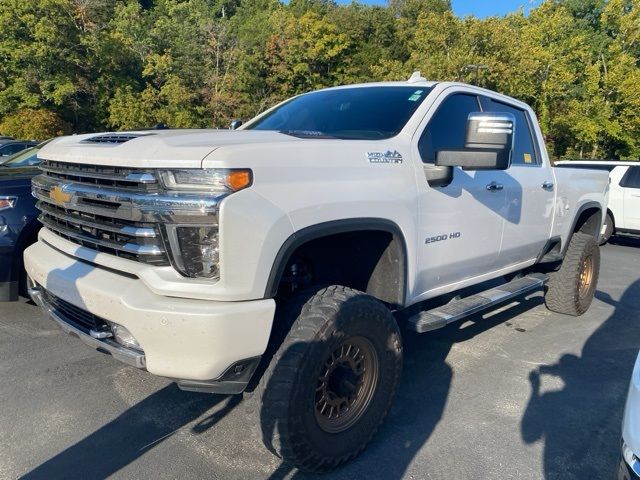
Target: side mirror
<point>488,143</point>
<point>235,124</point>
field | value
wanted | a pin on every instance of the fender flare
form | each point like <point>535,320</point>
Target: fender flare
<point>313,232</point>
<point>583,208</point>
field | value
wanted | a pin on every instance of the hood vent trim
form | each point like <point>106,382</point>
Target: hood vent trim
<point>114,138</point>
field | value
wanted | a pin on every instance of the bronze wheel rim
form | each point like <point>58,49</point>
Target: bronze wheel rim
<point>346,384</point>
<point>586,277</point>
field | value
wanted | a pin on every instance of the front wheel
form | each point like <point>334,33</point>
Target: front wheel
<point>571,289</point>
<point>332,381</point>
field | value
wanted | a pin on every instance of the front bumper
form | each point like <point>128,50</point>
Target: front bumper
<point>195,342</point>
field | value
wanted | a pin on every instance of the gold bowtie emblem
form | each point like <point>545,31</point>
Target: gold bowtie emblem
<point>59,196</point>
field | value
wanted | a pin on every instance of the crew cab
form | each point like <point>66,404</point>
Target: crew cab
<point>285,255</point>
<point>623,211</point>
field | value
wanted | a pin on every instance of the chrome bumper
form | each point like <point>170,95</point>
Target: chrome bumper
<point>125,355</point>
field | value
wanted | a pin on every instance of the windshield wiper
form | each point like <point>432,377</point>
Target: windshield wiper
<point>307,134</point>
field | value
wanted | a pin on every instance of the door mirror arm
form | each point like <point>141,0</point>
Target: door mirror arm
<point>438,176</point>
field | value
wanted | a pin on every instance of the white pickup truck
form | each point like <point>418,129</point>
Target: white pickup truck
<point>285,255</point>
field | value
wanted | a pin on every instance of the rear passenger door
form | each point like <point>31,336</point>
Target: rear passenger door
<point>530,191</point>
<point>631,186</point>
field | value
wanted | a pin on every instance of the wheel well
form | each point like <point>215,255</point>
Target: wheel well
<point>589,221</point>
<point>370,260</point>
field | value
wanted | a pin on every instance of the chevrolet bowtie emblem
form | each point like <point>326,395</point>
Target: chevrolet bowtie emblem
<point>58,195</point>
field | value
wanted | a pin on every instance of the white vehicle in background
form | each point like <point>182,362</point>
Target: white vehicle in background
<point>630,463</point>
<point>623,213</point>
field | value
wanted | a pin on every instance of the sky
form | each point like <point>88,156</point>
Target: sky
<point>486,8</point>
<point>479,8</point>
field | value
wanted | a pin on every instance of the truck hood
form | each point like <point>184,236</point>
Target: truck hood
<point>153,149</point>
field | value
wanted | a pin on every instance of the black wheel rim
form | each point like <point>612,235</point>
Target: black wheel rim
<point>346,384</point>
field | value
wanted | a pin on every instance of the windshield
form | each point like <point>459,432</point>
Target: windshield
<point>25,158</point>
<point>362,113</point>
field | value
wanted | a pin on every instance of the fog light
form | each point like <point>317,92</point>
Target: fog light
<point>124,337</point>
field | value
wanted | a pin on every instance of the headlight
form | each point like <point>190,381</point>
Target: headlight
<point>215,180</point>
<point>7,202</point>
<point>195,250</point>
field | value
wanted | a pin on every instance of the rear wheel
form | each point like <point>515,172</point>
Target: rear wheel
<point>608,229</point>
<point>331,382</point>
<point>571,289</point>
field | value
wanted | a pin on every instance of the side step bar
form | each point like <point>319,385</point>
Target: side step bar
<point>459,309</point>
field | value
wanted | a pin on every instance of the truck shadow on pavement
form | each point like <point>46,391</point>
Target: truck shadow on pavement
<point>576,421</point>
<point>133,433</point>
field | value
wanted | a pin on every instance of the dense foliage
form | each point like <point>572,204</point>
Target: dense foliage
<point>85,65</point>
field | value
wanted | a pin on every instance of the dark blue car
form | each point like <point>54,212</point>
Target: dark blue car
<point>19,223</point>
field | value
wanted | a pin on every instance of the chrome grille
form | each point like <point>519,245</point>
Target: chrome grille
<point>106,176</point>
<point>102,217</point>
<point>121,211</point>
<point>129,240</point>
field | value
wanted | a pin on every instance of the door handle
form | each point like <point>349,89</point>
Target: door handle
<point>493,186</point>
<point>548,185</point>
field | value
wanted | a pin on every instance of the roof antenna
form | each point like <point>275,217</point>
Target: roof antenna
<point>416,77</point>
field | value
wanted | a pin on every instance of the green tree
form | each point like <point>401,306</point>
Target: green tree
<point>34,124</point>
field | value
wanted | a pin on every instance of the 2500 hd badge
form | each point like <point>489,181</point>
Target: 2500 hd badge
<point>440,238</point>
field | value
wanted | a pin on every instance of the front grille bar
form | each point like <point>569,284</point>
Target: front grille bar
<point>129,205</point>
<point>93,223</point>
<point>83,239</point>
<point>133,178</point>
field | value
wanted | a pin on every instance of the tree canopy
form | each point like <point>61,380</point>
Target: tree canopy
<point>87,65</point>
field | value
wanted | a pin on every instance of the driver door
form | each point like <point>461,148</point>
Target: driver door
<point>460,225</point>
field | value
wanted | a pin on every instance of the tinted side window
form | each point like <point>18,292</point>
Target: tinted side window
<point>448,126</point>
<point>632,178</point>
<point>524,152</point>
<point>10,149</point>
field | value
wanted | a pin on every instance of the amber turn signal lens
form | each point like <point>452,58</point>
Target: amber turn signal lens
<point>238,179</point>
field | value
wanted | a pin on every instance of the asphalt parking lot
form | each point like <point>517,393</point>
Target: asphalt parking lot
<point>520,393</point>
